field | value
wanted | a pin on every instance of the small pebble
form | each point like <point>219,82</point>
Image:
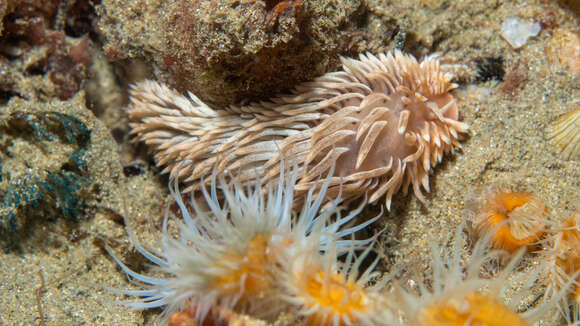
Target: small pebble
<point>516,32</point>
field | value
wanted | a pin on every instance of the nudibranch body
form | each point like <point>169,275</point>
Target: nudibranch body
<point>385,121</point>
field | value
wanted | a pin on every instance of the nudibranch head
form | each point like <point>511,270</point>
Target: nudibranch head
<point>390,120</point>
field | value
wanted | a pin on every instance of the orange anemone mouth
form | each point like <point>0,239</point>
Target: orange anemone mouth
<point>335,297</point>
<point>250,277</point>
<point>515,218</point>
<point>474,309</point>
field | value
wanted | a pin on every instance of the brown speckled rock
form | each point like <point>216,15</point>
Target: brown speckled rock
<point>37,47</point>
<point>232,51</point>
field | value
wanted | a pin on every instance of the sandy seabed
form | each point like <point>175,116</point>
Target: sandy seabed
<point>60,272</point>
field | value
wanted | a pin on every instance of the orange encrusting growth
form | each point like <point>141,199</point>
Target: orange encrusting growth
<point>515,218</point>
<point>218,316</point>
<point>476,309</point>
<point>251,276</point>
<point>337,296</point>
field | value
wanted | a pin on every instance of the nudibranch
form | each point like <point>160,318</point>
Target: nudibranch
<point>385,121</point>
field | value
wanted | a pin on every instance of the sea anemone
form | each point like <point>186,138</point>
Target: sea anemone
<point>512,219</point>
<point>385,120</point>
<point>327,292</point>
<point>472,292</point>
<point>225,252</point>
<point>563,257</point>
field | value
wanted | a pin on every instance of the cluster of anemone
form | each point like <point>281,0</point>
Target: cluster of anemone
<point>262,241</point>
<point>474,290</point>
<point>516,221</point>
<point>243,250</point>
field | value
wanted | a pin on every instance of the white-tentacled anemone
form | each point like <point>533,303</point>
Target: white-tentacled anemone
<point>227,248</point>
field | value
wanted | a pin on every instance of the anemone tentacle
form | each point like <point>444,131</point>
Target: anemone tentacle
<point>228,243</point>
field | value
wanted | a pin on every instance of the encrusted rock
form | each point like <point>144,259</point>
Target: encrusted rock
<point>233,51</point>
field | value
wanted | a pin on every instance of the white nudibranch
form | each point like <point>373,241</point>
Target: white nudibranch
<point>229,244</point>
